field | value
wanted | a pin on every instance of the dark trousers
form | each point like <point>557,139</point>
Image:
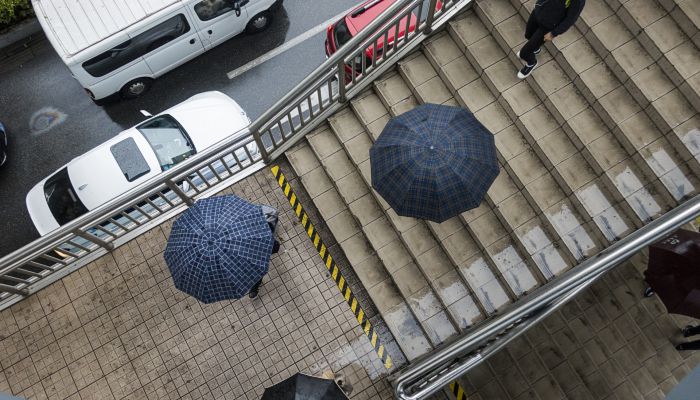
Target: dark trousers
<point>534,33</point>
<point>256,286</point>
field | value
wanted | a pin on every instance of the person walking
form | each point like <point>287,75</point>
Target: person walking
<point>549,19</point>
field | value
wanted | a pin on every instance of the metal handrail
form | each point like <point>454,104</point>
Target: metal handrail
<point>324,91</point>
<point>429,375</point>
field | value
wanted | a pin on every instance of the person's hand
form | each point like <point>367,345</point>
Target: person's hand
<point>548,37</point>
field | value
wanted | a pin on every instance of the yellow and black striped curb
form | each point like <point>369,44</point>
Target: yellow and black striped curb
<point>457,391</point>
<point>332,267</point>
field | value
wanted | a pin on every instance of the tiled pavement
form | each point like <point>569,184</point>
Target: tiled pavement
<point>118,328</point>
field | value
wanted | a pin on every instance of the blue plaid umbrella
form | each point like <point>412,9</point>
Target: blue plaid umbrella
<point>433,162</point>
<point>219,248</point>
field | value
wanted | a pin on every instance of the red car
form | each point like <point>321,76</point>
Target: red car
<point>342,31</point>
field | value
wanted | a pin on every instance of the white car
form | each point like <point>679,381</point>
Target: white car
<point>134,156</point>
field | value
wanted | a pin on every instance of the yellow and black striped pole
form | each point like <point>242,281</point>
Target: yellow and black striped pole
<point>332,267</point>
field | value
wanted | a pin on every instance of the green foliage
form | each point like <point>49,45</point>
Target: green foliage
<point>13,11</point>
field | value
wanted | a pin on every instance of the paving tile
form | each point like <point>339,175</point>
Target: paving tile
<point>475,95</point>
<point>392,89</point>
<point>548,388</point>
<point>469,29</point>
<point>417,69</point>
<point>486,52</point>
<point>345,124</point>
<point>358,148</point>
<point>443,49</point>
<point>459,72</point>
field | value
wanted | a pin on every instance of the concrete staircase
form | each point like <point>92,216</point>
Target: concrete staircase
<point>601,139</point>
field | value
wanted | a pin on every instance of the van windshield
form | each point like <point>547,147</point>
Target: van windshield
<point>168,139</point>
<point>63,201</point>
<point>342,33</point>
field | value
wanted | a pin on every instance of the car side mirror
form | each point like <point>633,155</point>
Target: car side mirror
<point>146,114</point>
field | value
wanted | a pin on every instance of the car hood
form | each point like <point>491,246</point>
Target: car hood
<point>39,210</point>
<point>209,118</point>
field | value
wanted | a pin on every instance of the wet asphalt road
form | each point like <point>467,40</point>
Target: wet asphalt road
<point>44,81</point>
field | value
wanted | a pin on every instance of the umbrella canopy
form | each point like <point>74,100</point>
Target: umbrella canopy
<point>433,162</point>
<point>219,248</point>
<point>304,387</point>
<point>674,272</point>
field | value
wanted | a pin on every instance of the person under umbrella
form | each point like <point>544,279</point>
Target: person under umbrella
<point>674,275</point>
<point>433,162</point>
<point>306,387</point>
<point>219,249</point>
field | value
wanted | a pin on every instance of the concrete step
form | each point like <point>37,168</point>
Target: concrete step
<point>363,211</point>
<point>391,303</point>
<point>541,133</point>
<point>453,292</point>
<point>643,78</point>
<point>594,84</point>
<point>663,37</point>
<point>386,89</point>
<point>423,241</point>
<point>687,16</point>
<point>591,197</point>
<point>532,236</point>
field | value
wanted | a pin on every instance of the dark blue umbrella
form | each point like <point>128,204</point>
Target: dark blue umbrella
<point>219,248</point>
<point>433,162</point>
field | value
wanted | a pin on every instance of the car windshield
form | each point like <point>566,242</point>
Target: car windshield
<point>342,33</point>
<point>62,198</point>
<point>168,140</point>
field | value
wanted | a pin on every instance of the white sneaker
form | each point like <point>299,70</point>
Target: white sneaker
<point>526,70</point>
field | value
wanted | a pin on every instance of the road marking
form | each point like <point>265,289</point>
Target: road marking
<point>286,46</point>
<point>332,268</point>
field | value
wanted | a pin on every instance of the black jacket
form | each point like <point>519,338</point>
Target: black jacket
<point>556,16</point>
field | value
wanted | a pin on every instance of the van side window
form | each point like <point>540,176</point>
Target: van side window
<point>210,9</point>
<point>139,45</point>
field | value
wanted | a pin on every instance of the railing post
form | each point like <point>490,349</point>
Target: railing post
<point>263,151</point>
<point>13,290</point>
<point>431,16</point>
<point>182,195</point>
<point>92,238</point>
<point>342,97</point>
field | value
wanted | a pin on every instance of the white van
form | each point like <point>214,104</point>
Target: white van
<point>120,46</point>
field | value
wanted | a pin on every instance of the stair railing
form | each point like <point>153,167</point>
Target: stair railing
<point>347,72</point>
<point>428,375</point>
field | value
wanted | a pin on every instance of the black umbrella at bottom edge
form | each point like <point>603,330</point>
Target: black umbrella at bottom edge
<point>304,387</point>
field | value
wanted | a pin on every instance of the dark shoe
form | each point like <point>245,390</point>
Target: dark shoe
<point>526,70</point>
<point>680,346</point>
<point>253,293</point>
<point>648,292</point>
<point>690,330</point>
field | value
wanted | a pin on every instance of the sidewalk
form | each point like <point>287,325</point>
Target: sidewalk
<point>119,329</point>
<point>16,45</point>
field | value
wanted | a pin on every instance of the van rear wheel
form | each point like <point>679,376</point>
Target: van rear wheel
<point>259,22</point>
<point>136,88</point>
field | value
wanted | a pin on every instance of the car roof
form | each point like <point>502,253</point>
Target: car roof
<point>97,177</point>
<point>72,26</point>
<point>357,23</point>
<point>207,118</point>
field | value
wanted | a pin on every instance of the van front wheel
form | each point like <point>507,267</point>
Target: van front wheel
<point>136,88</point>
<point>259,22</point>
